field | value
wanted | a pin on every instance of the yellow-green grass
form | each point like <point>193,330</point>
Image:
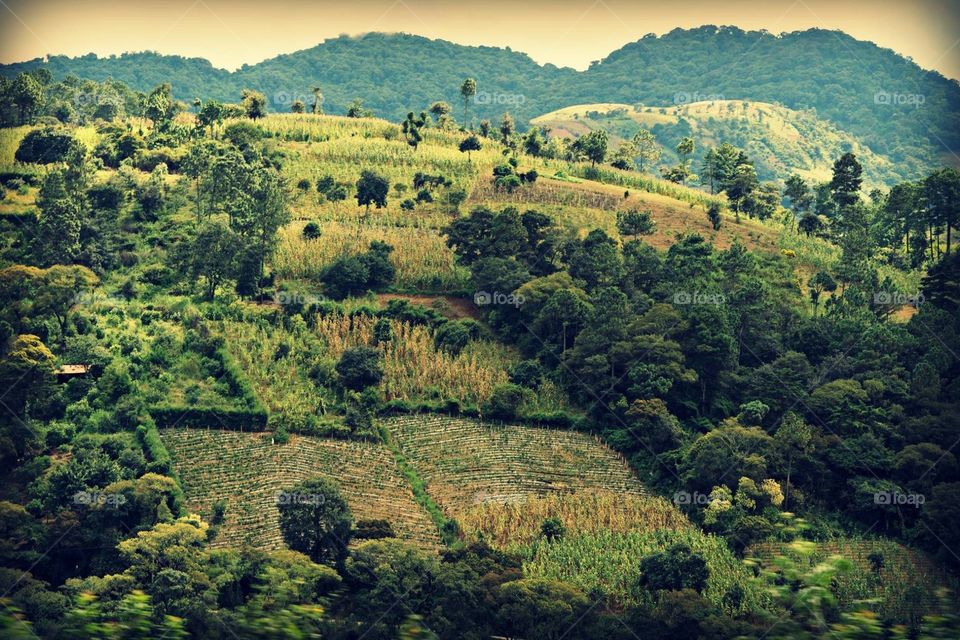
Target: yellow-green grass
<point>282,383</point>
<point>11,137</point>
<point>414,369</point>
<point>905,589</point>
<point>609,561</point>
<point>466,462</point>
<point>516,524</point>
<point>423,260</point>
<point>247,471</point>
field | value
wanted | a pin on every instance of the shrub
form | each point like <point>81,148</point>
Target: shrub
<point>505,402</point>
<point>46,145</point>
<point>311,231</point>
<point>359,367</point>
<point>373,530</point>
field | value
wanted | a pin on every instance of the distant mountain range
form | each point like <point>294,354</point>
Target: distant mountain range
<point>905,113</point>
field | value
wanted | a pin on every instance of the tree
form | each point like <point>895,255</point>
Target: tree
<point>211,113</point>
<point>411,129</point>
<point>356,110</point>
<point>506,128</point>
<point>713,213</point>
<point>685,149</point>
<point>254,104</point>
<point>297,106</point>
<point>941,191</point>
<point>61,215</point>
<point>440,110</point>
<point>846,181</point>
<point>470,143</point>
<point>372,188</point>
<point>809,223</point>
<point>359,368</point>
<point>742,184</point>
<point>316,520</point>
<point>211,255</point>
<point>675,569</point>
<point>27,95</point>
<point>647,148</point>
<point>624,156</point>
<point>317,100</point>
<point>60,288</point>
<point>819,283</point>
<point>593,146</point>
<point>797,189</point>
<point>467,90</point>
<point>160,106</point>
<point>635,223</point>
<point>794,439</point>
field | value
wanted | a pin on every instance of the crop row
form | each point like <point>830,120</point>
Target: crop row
<point>247,471</point>
<point>465,462</point>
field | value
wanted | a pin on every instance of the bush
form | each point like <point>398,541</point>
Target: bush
<point>311,231</point>
<point>359,367</point>
<point>528,373</point>
<point>505,402</point>
<point>46,145</point>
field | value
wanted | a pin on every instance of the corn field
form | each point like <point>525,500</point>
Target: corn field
<point>247,471</point>
<point>610,561</point>
<point>517,524</point>
<point>423,260</point>
<point>466,463</point>
<point>414,368</point>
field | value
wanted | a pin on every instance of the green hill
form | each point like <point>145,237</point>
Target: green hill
<point>779,140</point>
<point>846,81</point>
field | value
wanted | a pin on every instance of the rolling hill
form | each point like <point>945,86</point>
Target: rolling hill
<point>779,140</point>
<point>853,84</point>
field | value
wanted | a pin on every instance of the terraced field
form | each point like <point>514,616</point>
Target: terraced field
<point>247,471</point>
<point>466,463</point>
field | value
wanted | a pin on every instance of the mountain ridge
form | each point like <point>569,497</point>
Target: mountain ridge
<point>890,103</point>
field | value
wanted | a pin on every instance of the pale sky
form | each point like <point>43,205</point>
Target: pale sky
<point>563,32</point>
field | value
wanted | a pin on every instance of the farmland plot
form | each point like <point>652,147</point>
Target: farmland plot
<point>466,463</point>
<point>247,472</point>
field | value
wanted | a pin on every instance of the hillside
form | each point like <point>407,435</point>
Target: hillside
<point>247,472</point>
<point>779,140</point>
<point>827,71</point>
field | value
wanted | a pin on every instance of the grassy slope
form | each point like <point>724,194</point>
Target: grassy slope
<point>780,139</point>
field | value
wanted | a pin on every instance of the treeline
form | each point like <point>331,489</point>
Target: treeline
<point>814,69</point>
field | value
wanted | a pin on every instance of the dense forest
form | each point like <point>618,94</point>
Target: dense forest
<point>871,92</point>
<point>309,373</point>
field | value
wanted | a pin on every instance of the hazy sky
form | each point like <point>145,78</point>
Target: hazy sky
<point>230,33</point>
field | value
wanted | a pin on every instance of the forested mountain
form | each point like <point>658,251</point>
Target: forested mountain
<point>854,84</point>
